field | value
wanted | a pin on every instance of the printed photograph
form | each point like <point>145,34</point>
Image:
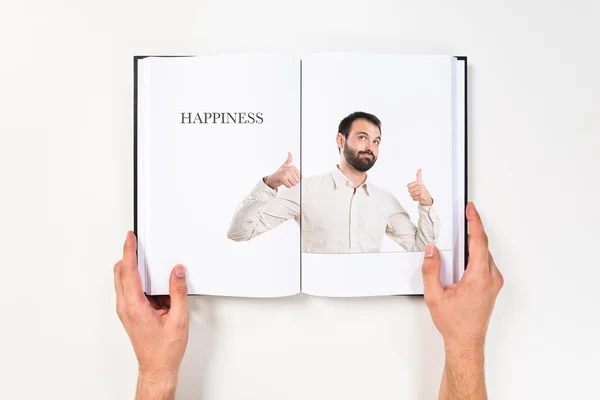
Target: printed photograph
<point>342,210</point>
<point>376,154</point>
<point>347,210</point>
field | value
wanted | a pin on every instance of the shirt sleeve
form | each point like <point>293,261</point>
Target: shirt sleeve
<point>262,210</point>
<point>404,232</point>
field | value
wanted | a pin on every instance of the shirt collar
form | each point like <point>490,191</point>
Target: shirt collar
<point>340,180</point>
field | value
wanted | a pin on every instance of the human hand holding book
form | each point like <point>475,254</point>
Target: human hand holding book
<point>461,312</point>
<point>157,326</point>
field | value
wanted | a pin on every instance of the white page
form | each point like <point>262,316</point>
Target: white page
<point>412,96</point>
<point>195,175</point>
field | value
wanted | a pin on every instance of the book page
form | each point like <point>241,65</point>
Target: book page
<point>377,166</point>
<point>211,128</point>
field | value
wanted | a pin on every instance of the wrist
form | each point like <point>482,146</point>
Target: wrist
<point>157,382</point>
<point>464,376</point>
<point>427,203</point>
<point>269,183</point>
<point>464,350</point>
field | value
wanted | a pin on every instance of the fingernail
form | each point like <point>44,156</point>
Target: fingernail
<point>180,272</point>
<point>428,250</point>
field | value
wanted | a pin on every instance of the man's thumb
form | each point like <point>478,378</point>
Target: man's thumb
<point>288,161</point>
<point>178,290</point>
<point>431,272</point>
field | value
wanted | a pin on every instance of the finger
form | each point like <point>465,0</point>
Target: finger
<point>290,181</point>
<point>118,285</point>
<point>414,184</point>
<point>496,274</point>
<point>294,179</point>
<point>130,275</point>
<point>415,191</point>
<point>477,242</point>
<point>494,271</point>
<point>432,286</point>
<point>117,279</point>
<point>288,161</point>
<point>296,172</point>
<point>419,173</point>
<point>178,293</point>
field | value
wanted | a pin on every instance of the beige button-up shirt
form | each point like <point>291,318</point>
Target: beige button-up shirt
<point>335,217</point>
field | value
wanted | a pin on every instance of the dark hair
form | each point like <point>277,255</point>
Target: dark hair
<point>346,123</point>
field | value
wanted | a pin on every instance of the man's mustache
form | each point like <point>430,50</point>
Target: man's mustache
<point>366,152</point>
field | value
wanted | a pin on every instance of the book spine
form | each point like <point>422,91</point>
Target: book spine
<point>300,165</point>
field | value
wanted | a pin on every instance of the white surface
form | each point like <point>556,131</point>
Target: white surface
<point>368,274</point>
<point>66,160</point>
<point>198,174</point>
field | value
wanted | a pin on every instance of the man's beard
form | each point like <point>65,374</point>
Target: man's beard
<point>359,160</point>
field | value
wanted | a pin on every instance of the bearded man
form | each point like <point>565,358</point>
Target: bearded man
<point>341,211</point>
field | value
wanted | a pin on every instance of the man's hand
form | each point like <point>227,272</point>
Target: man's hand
<point>461,312</point>
<point>287,175</point>
<point>157,327</point>
<point>419,192</point>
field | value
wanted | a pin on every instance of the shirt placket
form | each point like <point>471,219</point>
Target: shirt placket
<point>353,232</point>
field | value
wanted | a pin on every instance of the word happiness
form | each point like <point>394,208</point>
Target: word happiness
<point>222,118</point>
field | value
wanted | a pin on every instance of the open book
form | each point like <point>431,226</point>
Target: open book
<point>267,175</point>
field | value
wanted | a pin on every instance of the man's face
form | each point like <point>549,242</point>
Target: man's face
<point>362,146</point>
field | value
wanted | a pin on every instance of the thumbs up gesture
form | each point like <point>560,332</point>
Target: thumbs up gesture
<point>287,175</point>
<point>419,192</point>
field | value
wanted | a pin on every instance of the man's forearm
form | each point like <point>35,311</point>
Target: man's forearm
<point>463,376</point>
<point>156,389</point>
<point>259,212</point>
<point>428,227</point>
<point>442,395</point>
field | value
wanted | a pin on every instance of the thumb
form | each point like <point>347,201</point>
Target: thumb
<point>432,285</point>
<point>419,172</point>
<point>178,291</point>
<point>288,161</point>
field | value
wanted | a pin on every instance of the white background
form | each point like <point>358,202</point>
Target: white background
<point>65,169</point>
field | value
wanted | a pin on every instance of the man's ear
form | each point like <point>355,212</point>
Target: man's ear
<point>339,139</point>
